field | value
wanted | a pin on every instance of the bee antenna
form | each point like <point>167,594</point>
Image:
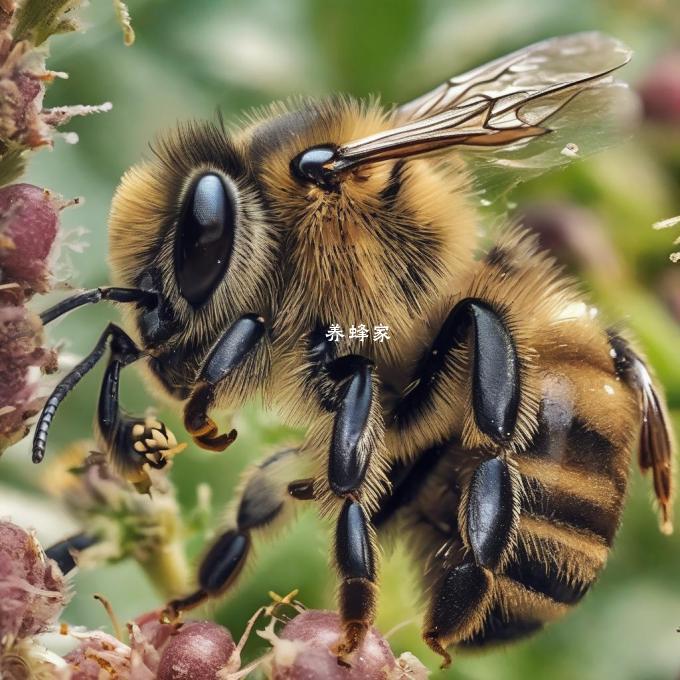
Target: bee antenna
<point>145,298</point>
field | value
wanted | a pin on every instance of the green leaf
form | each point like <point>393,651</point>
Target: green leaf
<point>37,20</point>
<point>12,165</point>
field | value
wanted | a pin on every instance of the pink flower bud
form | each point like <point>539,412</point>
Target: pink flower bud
<point>32,588</point>
<point>198,651</point>
<point>660,89</point>
<point>29,219</point>
<point>304,651</point>
<point>574,235</point>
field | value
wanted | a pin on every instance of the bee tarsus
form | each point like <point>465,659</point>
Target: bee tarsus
<point>355,558</point>
<point>263,502</point>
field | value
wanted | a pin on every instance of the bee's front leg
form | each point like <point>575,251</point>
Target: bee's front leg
<point>130,441</point>
<point>230,351</point>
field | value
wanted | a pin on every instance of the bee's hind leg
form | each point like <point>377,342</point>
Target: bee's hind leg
<point>462,590</point>
<point>265,502</point>
<point>462,575</point>
<point>231,349</point>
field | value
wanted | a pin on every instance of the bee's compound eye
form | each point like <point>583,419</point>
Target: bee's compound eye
<point>205,237</point>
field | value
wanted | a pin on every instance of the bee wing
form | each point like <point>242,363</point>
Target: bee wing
<point>514,81</point>
<point>656,446</point>
<point>560,85</point>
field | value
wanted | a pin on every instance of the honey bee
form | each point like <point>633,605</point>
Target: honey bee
<point>493,432</point>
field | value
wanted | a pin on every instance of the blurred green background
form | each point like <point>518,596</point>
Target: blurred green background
<point>192,57</point>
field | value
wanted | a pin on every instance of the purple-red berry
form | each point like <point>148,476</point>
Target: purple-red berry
<point>198,651</point>
<point>304,651</point>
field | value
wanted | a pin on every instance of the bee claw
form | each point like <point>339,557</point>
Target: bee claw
<point>205,433</point>
<point>170,616</point>
<point>214,441</point>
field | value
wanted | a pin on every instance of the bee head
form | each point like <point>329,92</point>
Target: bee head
<point>189,224</point>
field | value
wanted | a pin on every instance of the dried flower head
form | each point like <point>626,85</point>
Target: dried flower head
<point>23,358</point>
<point>129,522</point>
<point>33,590</point>
<point>29,221</point>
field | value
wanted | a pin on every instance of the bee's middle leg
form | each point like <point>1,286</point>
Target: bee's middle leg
<point>349,387</point>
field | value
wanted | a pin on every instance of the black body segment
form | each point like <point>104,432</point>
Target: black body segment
<point>353,551</point>
<point>348,460</point>
<point>157,323</point>
<point>241,338</point>
<point>302,489</point>
<point>234,345</point>
<point>123,352</point>
<point>457,596</point>
<point>356,562</point>
<point>223,561</point>
<point>495,369</point>
<point>62,552</point>
<point>142,298</point>
<point>495,374</point>
<point>490,511</point>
